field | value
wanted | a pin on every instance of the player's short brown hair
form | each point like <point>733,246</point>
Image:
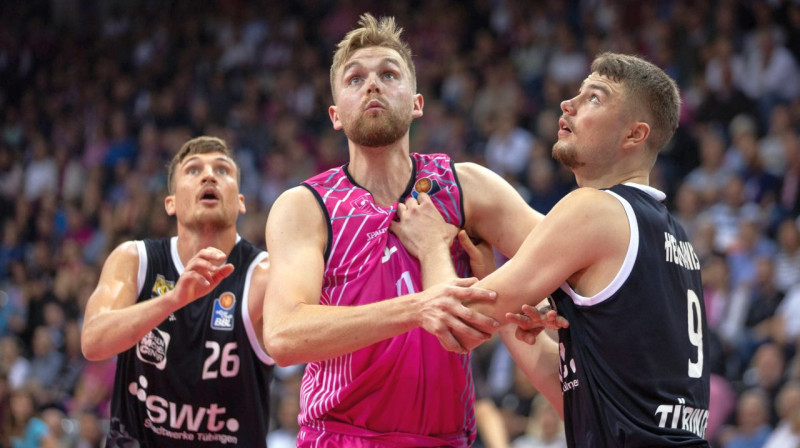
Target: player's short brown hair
<point>199,145</point>
<point>649,91</point>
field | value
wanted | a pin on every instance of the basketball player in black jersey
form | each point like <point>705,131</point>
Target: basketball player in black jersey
<point>183,315</point>
<point>630,368</point>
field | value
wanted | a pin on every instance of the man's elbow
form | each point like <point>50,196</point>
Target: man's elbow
<point>92,351</point>
<point>279,349</point>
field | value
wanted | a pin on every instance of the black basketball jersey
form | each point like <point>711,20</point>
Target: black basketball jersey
<point>201,378</point>
<point>634,360</point>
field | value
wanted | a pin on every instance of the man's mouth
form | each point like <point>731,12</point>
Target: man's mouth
<point>563,127</point>
<point>209,194</point>
<point>374,105</point>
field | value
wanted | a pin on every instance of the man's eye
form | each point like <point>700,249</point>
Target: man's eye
<point>222,170</point>
<point>193,170</point>
<point>594,99</point>
<point>354,80</point>
<point>389,75</point>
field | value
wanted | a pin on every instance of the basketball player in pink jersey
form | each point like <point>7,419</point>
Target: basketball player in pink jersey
<point>385,365</point>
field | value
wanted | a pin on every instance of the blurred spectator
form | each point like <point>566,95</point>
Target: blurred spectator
<point>90,431</point>
<point>786,329</point>
<point>47,361</point>
<point>762,302</point>
<point>771,73</point>
<point>285,435</point>
<point>725,70</point>
<point>709,179</point>
<point>766,373</point>
<point>789,200</point>
<point>509,146</point>
<point>14,366</point>
<point>545,428</point>
<point>41,174</point>
<point>772,152</point>
<point>23,426</point>
<point>728,213</point>
<point>787,432</point>
<point>752,422</point>
<point>688,205</point>
<point>787,260</point>
<point>750,244</point>
<point>59,427</point>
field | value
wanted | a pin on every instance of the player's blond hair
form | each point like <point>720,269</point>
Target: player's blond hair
<point>651,91</point>
<point>372,33</point>
<point>199,145</point>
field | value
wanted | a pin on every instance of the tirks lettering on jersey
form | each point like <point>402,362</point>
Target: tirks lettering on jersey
<point>681,416</point>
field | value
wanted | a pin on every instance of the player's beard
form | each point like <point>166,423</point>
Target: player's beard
<point>566,154</point>
<point>216,219</point>
<point>381,130</point>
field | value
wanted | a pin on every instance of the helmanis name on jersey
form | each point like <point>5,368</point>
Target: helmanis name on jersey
<point>680,252</point>
<point>680,416</point>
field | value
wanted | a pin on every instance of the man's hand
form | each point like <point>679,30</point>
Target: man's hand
<point>421,227</point>
<point>481,255</point>
<point>443,314</point>
<point>531,321</point>
<point>202,274</point>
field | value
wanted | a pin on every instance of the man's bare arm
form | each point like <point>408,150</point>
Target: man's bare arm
<point>296,236</point>
<point>114,322</point>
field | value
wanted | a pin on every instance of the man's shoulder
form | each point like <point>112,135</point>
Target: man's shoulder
<point>325,176</point>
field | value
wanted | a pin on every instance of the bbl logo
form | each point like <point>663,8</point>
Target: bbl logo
<point>222,315</point>
<point>425,185</point>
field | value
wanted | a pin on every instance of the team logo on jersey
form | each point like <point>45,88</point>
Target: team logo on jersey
<point>363,203</point>
<point>425,185</point>
<point>183,421</point>
<point>162,286</point>
<point>222,315</point>
<point>152,348</point>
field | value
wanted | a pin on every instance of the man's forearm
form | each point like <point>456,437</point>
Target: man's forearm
<point>114,331</point>
<point>437,267</point>
<point>312,333</point>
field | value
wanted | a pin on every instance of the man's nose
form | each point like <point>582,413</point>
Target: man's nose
<point>566,107</point>
<point>373,84</point>
<point>208,174</point>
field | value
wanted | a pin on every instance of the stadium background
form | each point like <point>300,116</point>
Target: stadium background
<point>95,97</point>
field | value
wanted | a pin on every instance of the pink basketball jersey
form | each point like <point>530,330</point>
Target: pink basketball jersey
<point>406,390</point>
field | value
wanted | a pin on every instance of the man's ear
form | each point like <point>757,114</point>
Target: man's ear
<point>169,205</point>
<point>637,134</point>
<point>334,116</point>
<point>419,102</point>
<point>242,207</point>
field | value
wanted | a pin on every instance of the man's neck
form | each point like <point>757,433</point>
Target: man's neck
<point>191,241</point>
<point>384,172</point>
<point>608,180</point>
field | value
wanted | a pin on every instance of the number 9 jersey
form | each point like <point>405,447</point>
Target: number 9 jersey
<point>634,361</point>
<point>201,377</point>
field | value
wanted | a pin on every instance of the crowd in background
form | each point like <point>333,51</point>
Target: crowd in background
<point>96,97</point>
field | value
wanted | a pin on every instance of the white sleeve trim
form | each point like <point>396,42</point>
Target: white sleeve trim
<point>142,275</point>
<point>624,270</point>
<point>248,323</point>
